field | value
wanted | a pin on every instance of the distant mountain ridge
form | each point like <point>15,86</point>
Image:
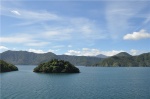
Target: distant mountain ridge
<point>80,60</point>
<point>101,56</point>
<point>26,58</point>
<point>123,54</point>
<point>30,58</point>
<point>124,59</point>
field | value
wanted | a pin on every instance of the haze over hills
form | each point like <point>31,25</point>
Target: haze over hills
<point>30,58</point>
<point>26,58</point>
<point>101,56</point>
<point>123,54</point>
<point>80,60</point>
<point>122,59</point>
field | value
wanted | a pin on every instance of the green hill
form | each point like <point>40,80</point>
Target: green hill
<point>6,67</point>
<point>127,60</point>
<point>121,54</point>
<point>56,66</point>
<point>26,58</point>
<point>122,59</point>
<point>30,58</point>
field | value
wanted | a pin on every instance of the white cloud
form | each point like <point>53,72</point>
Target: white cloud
<point>73,52</point>
<point>28,16</point>
<point>69,28</point>
<point>43,15</point>
<point>142,34</point>
<point>137,52</point>
<point>87,29</point>
<point>134,52</point>
<point>37,43</point>
<point>59,46</point>
<point>34,16</point>
<point>32,39</point>
<point>15,12</point>
<point>57,34</point>
<point>69,45</point>
<point>39,38</point>
<point>147,20</point>
<point>17,38</point>
<point>3,48</point>
<point>13,40</point>
<point>92,52</point>
<point>36,51</point>
<point>51,50</point>
<point>41,51</point>
<point>111,53</point>
<point>120,16</point>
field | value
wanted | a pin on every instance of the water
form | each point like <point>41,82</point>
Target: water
<point>91,83</point>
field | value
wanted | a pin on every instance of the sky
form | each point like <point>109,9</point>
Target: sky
<point>75,27</point>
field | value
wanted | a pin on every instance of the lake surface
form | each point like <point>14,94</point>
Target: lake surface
<point>91,83</point>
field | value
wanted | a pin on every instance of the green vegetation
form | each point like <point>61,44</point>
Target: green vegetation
<point>6,67</point>
<point>26,58</point>
<point>30,58</point>
<point>122,59</point>
<point>142,60</point>
<point>56,66</point>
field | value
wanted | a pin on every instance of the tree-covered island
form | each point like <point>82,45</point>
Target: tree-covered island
<point>6,67</point>
<point>56,66</point>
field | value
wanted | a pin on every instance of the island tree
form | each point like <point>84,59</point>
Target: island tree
<point>7,67</point>
<point>56,66</point>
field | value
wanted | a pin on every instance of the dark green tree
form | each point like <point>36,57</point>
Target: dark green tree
<point>6,67</point>
<point>56,66</point>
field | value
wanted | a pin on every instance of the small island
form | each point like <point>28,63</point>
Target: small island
<point>6,67</point>
<point>56,66</point>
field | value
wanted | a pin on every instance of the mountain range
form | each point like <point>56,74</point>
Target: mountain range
<point>30,58</point>
<point>101,56</point>
<point>122,59</point>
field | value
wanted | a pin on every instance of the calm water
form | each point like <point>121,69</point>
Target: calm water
<point>91,83</point>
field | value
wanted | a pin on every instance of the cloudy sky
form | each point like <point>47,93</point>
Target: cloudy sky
<point>77,27</point>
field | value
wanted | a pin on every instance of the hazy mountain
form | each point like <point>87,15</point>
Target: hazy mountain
<point>123,54</point>
<point>26,58</point>
<point>121,59</point>
<point>101,56</point>
<point>80,60</point>
<point>124,59</point>
<point>30,58</point>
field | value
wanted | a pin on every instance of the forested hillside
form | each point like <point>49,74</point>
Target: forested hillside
<point>127,60</point>
<point>30,58</point>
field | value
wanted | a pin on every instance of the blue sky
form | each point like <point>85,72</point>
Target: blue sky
<point>76,27</point>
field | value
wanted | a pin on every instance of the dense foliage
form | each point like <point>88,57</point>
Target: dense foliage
<point>6,67</point>
<point>26,58</point>
<point>142,60</point>
<point>56,66</point>
<point>30,58</point>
